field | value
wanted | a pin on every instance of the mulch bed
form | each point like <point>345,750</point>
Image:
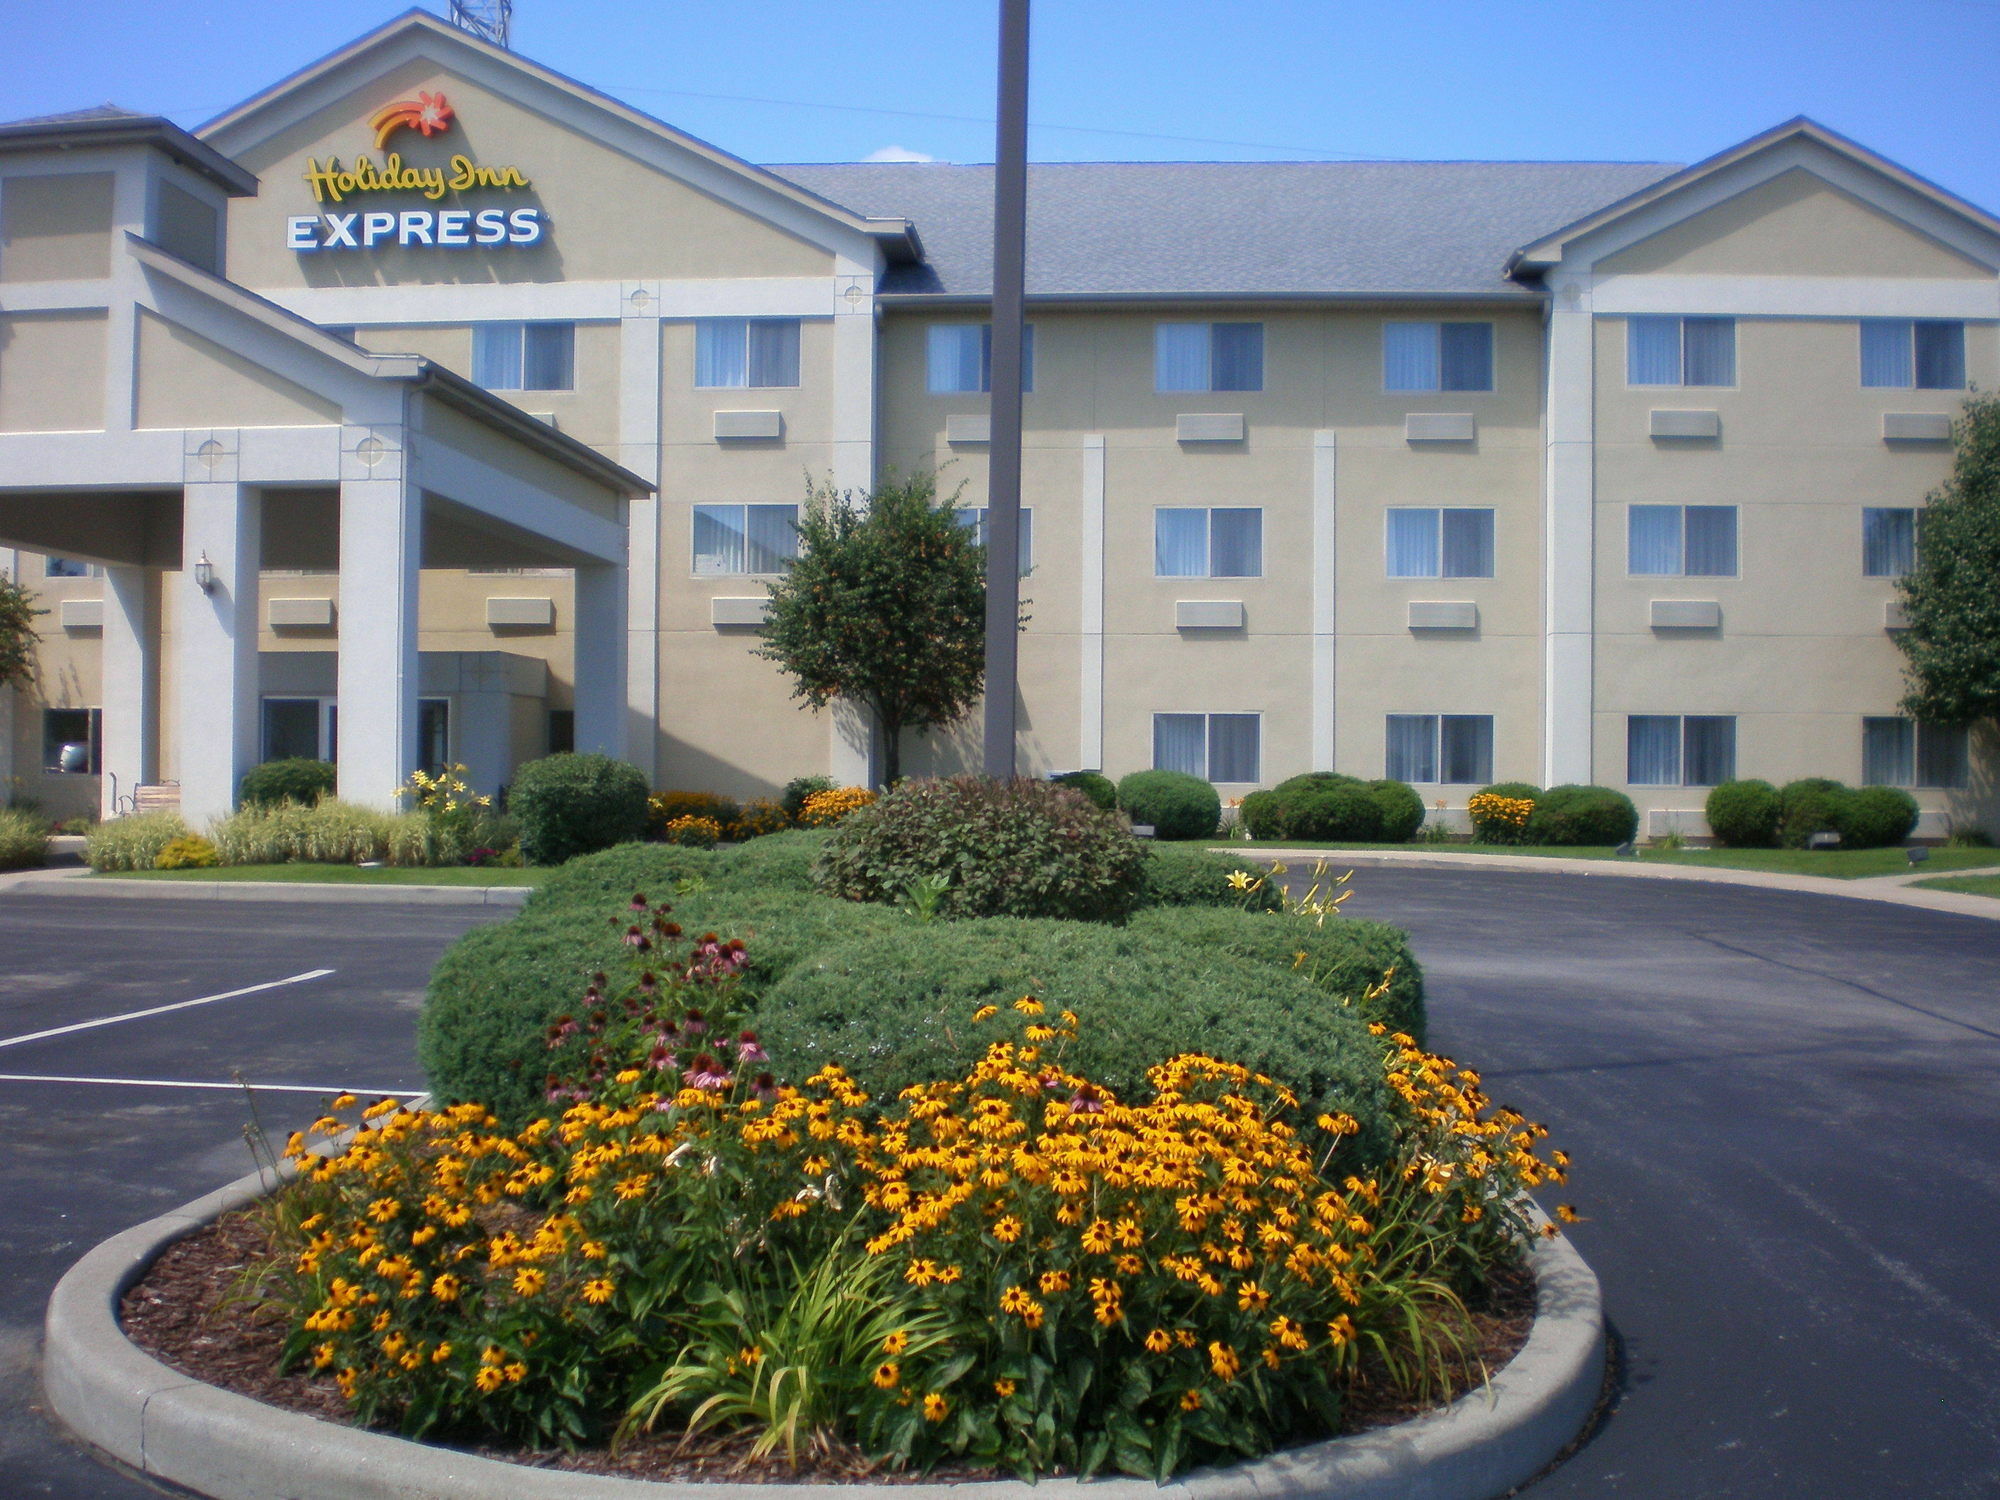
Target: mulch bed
<point>196,1311</point>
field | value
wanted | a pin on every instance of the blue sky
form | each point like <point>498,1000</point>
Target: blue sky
<point>784,80</point>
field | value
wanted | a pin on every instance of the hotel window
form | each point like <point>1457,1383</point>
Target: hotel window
<point>1680,351</point>
<point>1888,541</point>
<point>1676,750</point>
<point>746,352</point>
<point>524,356</point>
<point>1215,747</point>
<point>1681,541</point>
<point>1437,356</point>
<point>72,740</point>
<point>1913,354</point>
<point>1450,749</point>
<point>1434,542</point>
<point>744,539</point>
<point>973,519</point>
<point>959,357</point>
<point>1208,356</point>
<point>1190,541</point>
<point>68,567</point>
<point>1902,752</point>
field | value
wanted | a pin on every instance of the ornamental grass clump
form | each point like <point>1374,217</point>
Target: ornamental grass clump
<point>24,838</point>
<point>132,843</point>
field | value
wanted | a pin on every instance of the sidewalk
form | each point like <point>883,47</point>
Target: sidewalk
<point>80,882</point>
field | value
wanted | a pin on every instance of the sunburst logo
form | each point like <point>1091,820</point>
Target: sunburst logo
<point>427,114</point>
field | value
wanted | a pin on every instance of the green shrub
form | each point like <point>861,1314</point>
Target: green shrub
<point>1582,815</point>
<point>793,797</point>
<point>1020,848</point>
<point>1745,814</point>
<point>1174,804</point>
<point>777,862</point>
<point>1493,820</point>
<point>663,808</point>
<point>758,818</point>
<point>1093,784</point>
<point>1401,808</point>
<point>191,853</point>
<point>1877,817</point>
<point>24,838</point>
<point>1344,959</point>
<point>691,832</point>
<point>1176,875</point>
<point>1263,815</point>
<point>1813,804</point>
<point>894,1007</point>
<point>576,804</point>
<point>296,779</point>
<point>132,843</point>
<point>1342,812</point>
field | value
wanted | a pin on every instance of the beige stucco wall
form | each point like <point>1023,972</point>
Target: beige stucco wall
<point>610,216</point>
<point>588,412</point>
<point>67,664</point>
<point>186,380</point>
<point>55,227</point>
<point>52,367</point>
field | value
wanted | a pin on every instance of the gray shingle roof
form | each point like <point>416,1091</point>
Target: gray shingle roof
<point>79,116</point>
<point>1233,229</point>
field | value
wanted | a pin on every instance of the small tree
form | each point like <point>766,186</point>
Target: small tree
<point>1952,644</point>
<point>885,607</point>
<point>17,634</point>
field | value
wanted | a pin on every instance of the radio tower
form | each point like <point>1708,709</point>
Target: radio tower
<point>489,20</point>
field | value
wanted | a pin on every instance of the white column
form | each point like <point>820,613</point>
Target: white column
<point>216,645</point>
<point>1090,563</point>
<point>1325,581</point>
<point>851,752</point>
<point>599,634</point>
<point>129,664</point>
<point>381,548</point>
<point>639,415</point>
<point>1569,538</point>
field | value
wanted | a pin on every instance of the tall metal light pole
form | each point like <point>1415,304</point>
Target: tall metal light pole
<point>1003,474</point>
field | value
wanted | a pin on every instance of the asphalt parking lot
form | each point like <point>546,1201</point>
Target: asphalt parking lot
<point>1782,1109</point>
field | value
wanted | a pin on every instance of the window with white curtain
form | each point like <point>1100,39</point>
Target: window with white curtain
<point>973,519</point>
<point>1208,356</point>
<point>1925,354</point>
<point>1193,541</point>
<point>959,357</point>
<point>1448,749</point>
<point>744,539</point>
<point>1680,749</point>
<point>524,356</point>
<point>1439,541</point>
<point>1681,541</point>
<point>749,353</point>
<point>1888,541</point>
<point>1224,748</point>
<point>1901,752</point>
<point>1680,351</point>
<point>1437,356</point>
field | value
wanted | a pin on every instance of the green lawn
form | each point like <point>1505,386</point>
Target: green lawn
<point>1969,885</point>
<point>345,875</point>
<point>1834,864</point>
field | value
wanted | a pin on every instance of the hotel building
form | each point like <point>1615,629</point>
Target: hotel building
<point>430,406</point>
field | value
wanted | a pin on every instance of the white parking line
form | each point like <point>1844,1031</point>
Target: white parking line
<point>180,1083</point>
<point>160,1010</point>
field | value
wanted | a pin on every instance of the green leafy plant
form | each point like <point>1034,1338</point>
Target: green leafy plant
<point>1745,814</point>
<point>296,779</point>
<point>1951,597</point>
<point>1401,808</point>
<point>1176,875</point>
<point>793,797</point>
<point>1582,816</point>
<point>24,838</point>
<point>1877,817</point>
<point>1811,805</point>
<point>1093,784</point>
<point>1173,804</point>
<point>576,804</point>
<point>191,852</point>
<point>17,635</point>
<point>1022,848</point>
<point>925,896</point>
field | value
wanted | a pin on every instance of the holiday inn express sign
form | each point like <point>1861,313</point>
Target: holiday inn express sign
<point>361,228</point>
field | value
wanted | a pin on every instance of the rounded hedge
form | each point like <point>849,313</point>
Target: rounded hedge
<point>1745,814</point>
<point>1813,804</point>
<point>576,804</point>
<point>1582,815</point>
<point>296,779</point>
<point>1343,812</point>
<point>1263,815</point>
<point>1178,876</point>
<point>1877,817</point>
<point>895,1008</point>
<point>1401,808</point>
<point>1175,804</point>
<point>1018,848</point>
<point>1093,784</point>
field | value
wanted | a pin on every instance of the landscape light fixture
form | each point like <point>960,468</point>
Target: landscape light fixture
<point>204,574</point>
<point>1916,856</point>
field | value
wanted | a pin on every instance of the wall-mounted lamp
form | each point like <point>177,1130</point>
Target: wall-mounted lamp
<point>204,574</point>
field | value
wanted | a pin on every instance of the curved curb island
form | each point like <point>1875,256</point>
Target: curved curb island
<point>169,1426</point>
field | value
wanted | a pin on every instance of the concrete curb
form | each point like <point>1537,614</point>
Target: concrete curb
<point>70,883</point>
<point>165,1425</point>
<point>1890,889</point>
